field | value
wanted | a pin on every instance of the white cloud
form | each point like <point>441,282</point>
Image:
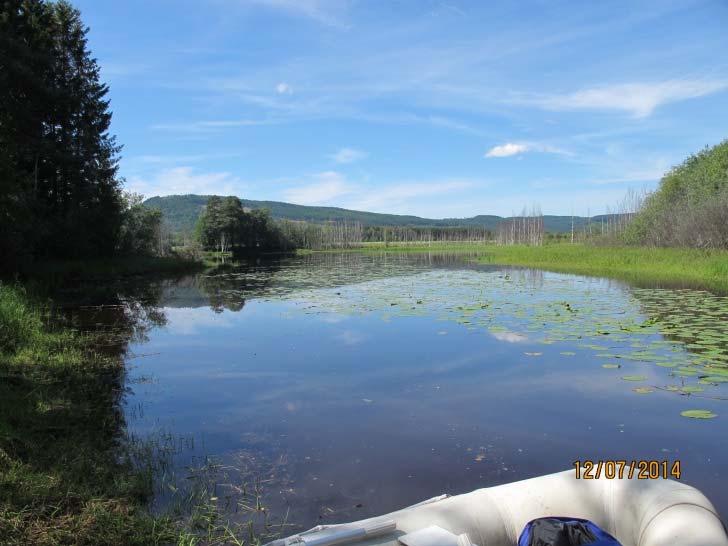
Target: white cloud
<point>639,99</point>
<point>183,180</point>
<point>506,150</point>
<point>327,186</point>
<point>284,89</point>
<point>191,321</point>
<point>349,155</point>
<point>515,148</point>
<point>509,337</point>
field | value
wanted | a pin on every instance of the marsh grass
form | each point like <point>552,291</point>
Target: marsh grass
<point>68,472</point>
<point>670,267</point>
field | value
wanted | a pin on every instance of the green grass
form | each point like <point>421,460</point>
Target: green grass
<point>676,267</point>
<point>69,475</point>
<point>65,477</point>
<point>663,266</point>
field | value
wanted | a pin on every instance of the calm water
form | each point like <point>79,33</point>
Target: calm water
<point>351,385</point>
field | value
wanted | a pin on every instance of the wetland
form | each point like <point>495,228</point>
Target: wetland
<point>335,386</point>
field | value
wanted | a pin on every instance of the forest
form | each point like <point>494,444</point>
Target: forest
<point>61,196</point>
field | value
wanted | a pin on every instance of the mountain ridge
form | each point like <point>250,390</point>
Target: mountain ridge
<point>181,212</point>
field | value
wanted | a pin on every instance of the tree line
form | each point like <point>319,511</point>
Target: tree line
<point>435,234</point>
<point>60,192</point>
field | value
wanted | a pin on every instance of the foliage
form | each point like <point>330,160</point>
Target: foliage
<point>141,229</point>
<point>59,193</point>
<point>690,208</point>
<point>224,225</point>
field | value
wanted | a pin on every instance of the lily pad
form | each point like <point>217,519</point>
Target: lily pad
<point>643,390</point>
<point>611,366</point>
<point>714,379</point>
<point>698,414</point>
<point>691,388</point>
<point>634,377</point>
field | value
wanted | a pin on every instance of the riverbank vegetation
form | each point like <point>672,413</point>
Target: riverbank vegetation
<point>690,208</point>
<point>677,267</point>
<point>65,474</point>
<point>673,267</point>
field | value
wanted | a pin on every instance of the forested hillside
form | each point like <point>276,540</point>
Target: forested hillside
<point>181,213</point>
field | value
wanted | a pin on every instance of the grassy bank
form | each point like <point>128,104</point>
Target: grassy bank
<point>667,266</point>
<point>65,475</point>
<point>69,474</point>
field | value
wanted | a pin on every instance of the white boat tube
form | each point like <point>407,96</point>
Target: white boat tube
<point>636,512</point>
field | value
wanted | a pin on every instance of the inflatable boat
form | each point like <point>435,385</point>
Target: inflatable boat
<point>635,512</point>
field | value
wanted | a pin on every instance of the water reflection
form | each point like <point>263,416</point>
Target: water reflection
<point>343,385</point>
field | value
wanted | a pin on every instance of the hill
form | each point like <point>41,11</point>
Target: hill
<point>181,212</point>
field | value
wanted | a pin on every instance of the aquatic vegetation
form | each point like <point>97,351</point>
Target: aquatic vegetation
<point>698,414</point>
<point>682,332</point>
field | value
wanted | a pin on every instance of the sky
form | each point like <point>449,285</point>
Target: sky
<point>426,107</point>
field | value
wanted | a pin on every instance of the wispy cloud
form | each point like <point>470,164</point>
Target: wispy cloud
<point>183,180</point>
<point>649,174</point>
<point>638,99</point>
<point>150,159</point>
<point>326,187</point>
<point>349,155</point>
<point>209,125</point>
<point>400,196</point>
<point>516,148</point>
<point>333,188</point>
<point>327,12</point>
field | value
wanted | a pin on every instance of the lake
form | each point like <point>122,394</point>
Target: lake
<point>332,387</point>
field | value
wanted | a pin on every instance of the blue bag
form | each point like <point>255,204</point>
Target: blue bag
<point>555,531</point>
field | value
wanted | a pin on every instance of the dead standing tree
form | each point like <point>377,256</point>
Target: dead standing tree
<point>526,229</point>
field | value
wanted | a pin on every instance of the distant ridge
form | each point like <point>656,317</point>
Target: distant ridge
<point>181,212</point>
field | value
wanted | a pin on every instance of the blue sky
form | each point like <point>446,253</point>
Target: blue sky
<point>434,108</point>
